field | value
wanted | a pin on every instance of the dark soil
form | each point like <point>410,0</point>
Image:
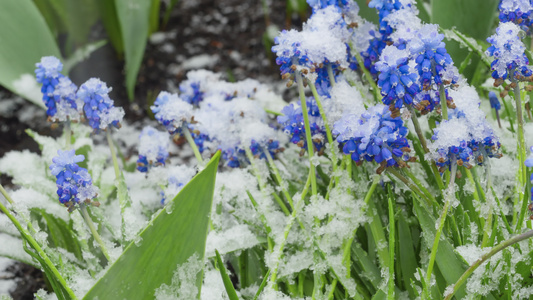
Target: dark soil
<point>232,30</point>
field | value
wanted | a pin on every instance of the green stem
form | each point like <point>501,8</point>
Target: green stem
<point>522,179</point>
<point>443,103</point>
<point>326,125</point>
<point>262,184</point>
<point>191,142</point>
<point>419,184</point>
<point>113,153</point>
<point>448,195</point>
<point>89,221</point>
<point>483,258</point>
<point>392,233</point>
<point>377,96</point>
<point>278,177</point>
<point>409,184</point>
<point>309,140</point>
<point>424,144</point>
<point>45,260</point>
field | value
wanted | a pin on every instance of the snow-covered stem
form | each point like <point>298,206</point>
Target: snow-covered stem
<point>68,134</point>
<point>424,144</point>
<point>483,258</point>
<point>309,140</point>
<point>348,244</point>
<point>392,243</point>
<point>44,259</point>
<point>113,153</point>
<point>443,103</point>
<point>473,183</point>
<point>281,245</point>
<point>326,124</point>
<point>6,195</point>
<point>94,232</point>
<point>261,182</point>
<point>278,178</point>
<point>191,142</point>
<point>521,145</point>
<point>419,185</point>
<point>409,184</point>
<point>450,193</point>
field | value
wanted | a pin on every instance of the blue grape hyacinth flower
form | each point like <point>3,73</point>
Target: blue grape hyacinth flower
<point>153,148</point>
<point>292,123</point>
<point>397,81</point>
<point>518,12</point>
<point>59,93</point>
<point>430,55</point>
<point>172,112</point>
<point>74,184</point>
<point>100,110</point>
<point>374,136</point>
<point>509,53</point>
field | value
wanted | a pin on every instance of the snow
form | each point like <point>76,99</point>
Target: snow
<point>183,286</point>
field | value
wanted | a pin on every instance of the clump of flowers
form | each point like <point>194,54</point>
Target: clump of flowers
<point>172,112</point>
<point>516,11</point>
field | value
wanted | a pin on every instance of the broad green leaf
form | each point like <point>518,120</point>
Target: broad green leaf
<point>230,290</point>
<point>25,39</point>
<point>449,264</point>
<point>474,18</point>
<point>174,235</point>
<point>108,12</point>
<point>133,16</point>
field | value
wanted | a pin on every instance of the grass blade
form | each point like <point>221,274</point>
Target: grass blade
<point>230,290</point>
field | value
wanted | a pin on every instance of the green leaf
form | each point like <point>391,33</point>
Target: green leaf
<point>25,39</point>
<point>61,234</point>
<point>133,16</point>
<point>407,257</point>
<point>448,262</point>
<point>173,236</point>
<point>170,5</point>
<point>108,12</point>
<point>230,290</point>
<point>474,18</point>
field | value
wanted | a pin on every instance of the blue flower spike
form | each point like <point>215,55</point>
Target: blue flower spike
<point>59,93</point>
<point>509,55</point>
<point>172,112</point>
<point>74,183</point>
<point>374,136</point>
<point>100,110</point>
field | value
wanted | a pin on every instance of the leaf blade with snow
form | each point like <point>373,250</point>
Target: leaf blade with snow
<point>154,260</point>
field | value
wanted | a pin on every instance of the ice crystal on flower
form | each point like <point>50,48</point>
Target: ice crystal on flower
<point>375,135</point>
<point>100,110</point>
<point>516,11</point>
<point>153,148</point>
<point>508,52</point>
<point>172,112</point>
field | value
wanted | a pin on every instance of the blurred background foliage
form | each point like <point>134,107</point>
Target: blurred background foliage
<point>65,28</point>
